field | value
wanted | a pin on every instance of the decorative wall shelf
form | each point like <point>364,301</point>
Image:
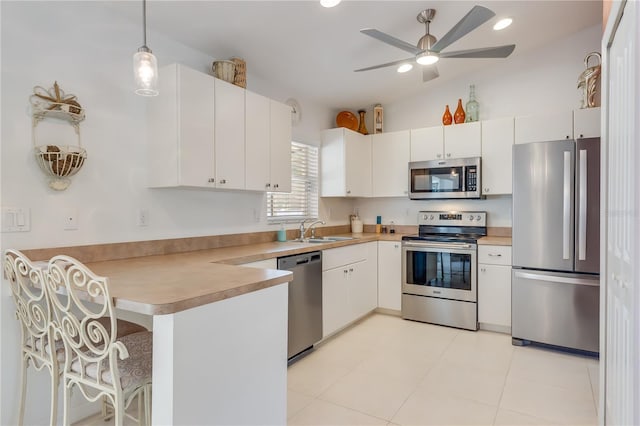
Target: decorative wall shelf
<point>59,162</point>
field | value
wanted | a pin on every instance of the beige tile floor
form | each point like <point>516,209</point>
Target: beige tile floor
<point>388,371</point>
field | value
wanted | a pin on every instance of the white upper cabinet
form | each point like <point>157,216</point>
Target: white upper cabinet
<point>345,166</point>
<point>267,144</point>
<point>391,153</point>
<point>462,140</point>
<point>497,142</point>
<point>229,135</point>
<point>257,142</point>
<point>181,130</point>
<point>586,123</point>
<point>427,143</point>
<point>280,144</point>
<point>205,132</point>
<point>544,127</point>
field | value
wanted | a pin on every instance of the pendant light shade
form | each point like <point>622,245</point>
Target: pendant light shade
<point>145,66</point>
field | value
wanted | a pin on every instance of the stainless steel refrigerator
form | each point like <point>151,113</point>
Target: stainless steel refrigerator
<point>556,243</point>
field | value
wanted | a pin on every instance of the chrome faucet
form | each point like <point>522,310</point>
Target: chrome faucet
<point>303,231</point>
<point>313,229</point>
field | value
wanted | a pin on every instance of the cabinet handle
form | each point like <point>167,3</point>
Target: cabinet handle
<point>396,246</point>
<point>486,190</point>
<point>350,269</point>
<point>483,270</point>
<point>567,137</point>
<point>438,155</point>
<point>581,136</point>
<point>495,255</point>
<point>268,185</point>
<point>275,186</point>
<point>223,181</point>
<point>211,180</point>
<point>448,155</point>
<point>348,192</point>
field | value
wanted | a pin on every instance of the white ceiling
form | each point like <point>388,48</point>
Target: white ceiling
<point>313,50</point>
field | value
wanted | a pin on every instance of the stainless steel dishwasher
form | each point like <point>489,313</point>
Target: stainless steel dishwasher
<point>305,300</point>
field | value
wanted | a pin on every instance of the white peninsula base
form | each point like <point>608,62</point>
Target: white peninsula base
<point>223,363</point>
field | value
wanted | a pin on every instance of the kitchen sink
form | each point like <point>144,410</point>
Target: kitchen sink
<point>322,239</point>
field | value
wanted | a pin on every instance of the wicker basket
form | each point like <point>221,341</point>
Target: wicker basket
<point>60,162</point>
<point>240,78</point>
<point>224,70</point>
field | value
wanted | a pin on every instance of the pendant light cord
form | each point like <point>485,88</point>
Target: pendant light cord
<point>144,23</point>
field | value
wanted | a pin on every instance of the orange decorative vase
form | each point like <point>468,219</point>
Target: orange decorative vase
<point>459,115</point>
<point>363,127</point>
<point>447,118</point>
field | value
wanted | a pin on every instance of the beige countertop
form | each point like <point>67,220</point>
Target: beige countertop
<point>495,241</point>
<point>164,284</point>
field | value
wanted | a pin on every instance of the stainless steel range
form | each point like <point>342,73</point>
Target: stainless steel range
<point>439,269</point>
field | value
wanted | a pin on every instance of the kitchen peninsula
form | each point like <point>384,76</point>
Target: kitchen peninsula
<point>220,336</point>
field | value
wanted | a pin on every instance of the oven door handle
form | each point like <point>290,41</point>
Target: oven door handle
<point>436,245</point>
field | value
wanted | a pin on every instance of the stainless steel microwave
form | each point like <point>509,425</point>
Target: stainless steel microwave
<point>443,179</point>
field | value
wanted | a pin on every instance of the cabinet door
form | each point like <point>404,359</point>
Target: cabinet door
<point>586,123</point>
<point>494,295</point>
<point>497,142</point>
<point>332,163</point>
<point>280,138</point>
<point>462,140</point>
<point>257,152</point>
<point>427,143</point>
<point>181,128</point>
<point>390,164</point>
<point>389,275</point>
<point>229,135</point>
<point>336,310</point>
<point>542,128</point>
<point>357,164</point>
<point>363,294</point>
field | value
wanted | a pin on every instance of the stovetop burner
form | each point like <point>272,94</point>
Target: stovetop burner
<point>464,227</point>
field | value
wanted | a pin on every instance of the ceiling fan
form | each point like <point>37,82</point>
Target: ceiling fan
<point>429,49</point>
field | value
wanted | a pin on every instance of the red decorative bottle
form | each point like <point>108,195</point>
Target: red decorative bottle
<point>447,119</point>
<point>459,115</point>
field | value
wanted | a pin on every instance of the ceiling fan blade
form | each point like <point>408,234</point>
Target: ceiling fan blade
<point>429,72</point>
<point>388,64</point>
<point>483,52</point>
<point>472,20</point>
<point>396,42</point>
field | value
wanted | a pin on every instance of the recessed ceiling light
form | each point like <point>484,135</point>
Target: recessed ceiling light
<point>330,3</point>
<point>502,24</point>
<point>405,67</point>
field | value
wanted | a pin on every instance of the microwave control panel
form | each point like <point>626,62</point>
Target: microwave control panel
<point>472,178</point>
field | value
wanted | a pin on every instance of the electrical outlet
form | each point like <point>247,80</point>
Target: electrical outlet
<point>143,217</point>
<point>70,221</point>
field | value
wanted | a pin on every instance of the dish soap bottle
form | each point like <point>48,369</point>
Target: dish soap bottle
<point>473,108</point>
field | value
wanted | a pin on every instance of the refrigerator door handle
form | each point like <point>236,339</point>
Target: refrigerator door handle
<point>557,279</point>
<point>566,206</point>
<point>582,200</point>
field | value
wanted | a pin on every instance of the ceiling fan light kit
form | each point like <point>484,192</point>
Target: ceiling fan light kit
<point>405,67</point>
<point>330,3</point>
<point>429,50</point>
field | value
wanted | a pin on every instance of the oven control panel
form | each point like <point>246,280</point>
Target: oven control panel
<point>452,218</point>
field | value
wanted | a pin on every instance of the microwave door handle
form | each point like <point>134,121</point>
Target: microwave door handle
<point>566,206</point>
<point>582,200</point>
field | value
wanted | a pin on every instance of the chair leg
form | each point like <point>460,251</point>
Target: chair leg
<point>118,407</point>
<point>147,405</point>
<point>23,391</point>
<point>66,396</point>
<point>55,381</point>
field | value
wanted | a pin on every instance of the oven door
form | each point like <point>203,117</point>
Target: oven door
<point>444,270</point>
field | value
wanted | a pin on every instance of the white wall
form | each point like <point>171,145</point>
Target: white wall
<point>542,80</point>
<point>88,50</point>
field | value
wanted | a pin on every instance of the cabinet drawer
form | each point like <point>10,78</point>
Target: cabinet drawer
<point>333,258</point>
<point>494,255</point>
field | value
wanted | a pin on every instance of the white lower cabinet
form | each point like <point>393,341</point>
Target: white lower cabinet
<point>349,290</point>
<point>494,288</point>
<point>389,275</point>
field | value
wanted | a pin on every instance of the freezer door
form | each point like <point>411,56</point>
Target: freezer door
<point>555,308</point>
<point>543,208</point>
<point>587,251</point>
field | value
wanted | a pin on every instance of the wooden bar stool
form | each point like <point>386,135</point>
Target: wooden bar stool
<point>97,362</point>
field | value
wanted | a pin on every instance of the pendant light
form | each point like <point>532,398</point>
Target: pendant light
<point>145,66</point>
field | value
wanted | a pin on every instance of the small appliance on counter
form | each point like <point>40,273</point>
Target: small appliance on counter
<point>439,269</point>
<point>556,243</point>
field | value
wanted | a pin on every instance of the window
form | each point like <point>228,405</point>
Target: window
<point>302,202</point>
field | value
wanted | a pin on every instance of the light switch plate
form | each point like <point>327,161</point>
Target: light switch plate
<point>16,219</point>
